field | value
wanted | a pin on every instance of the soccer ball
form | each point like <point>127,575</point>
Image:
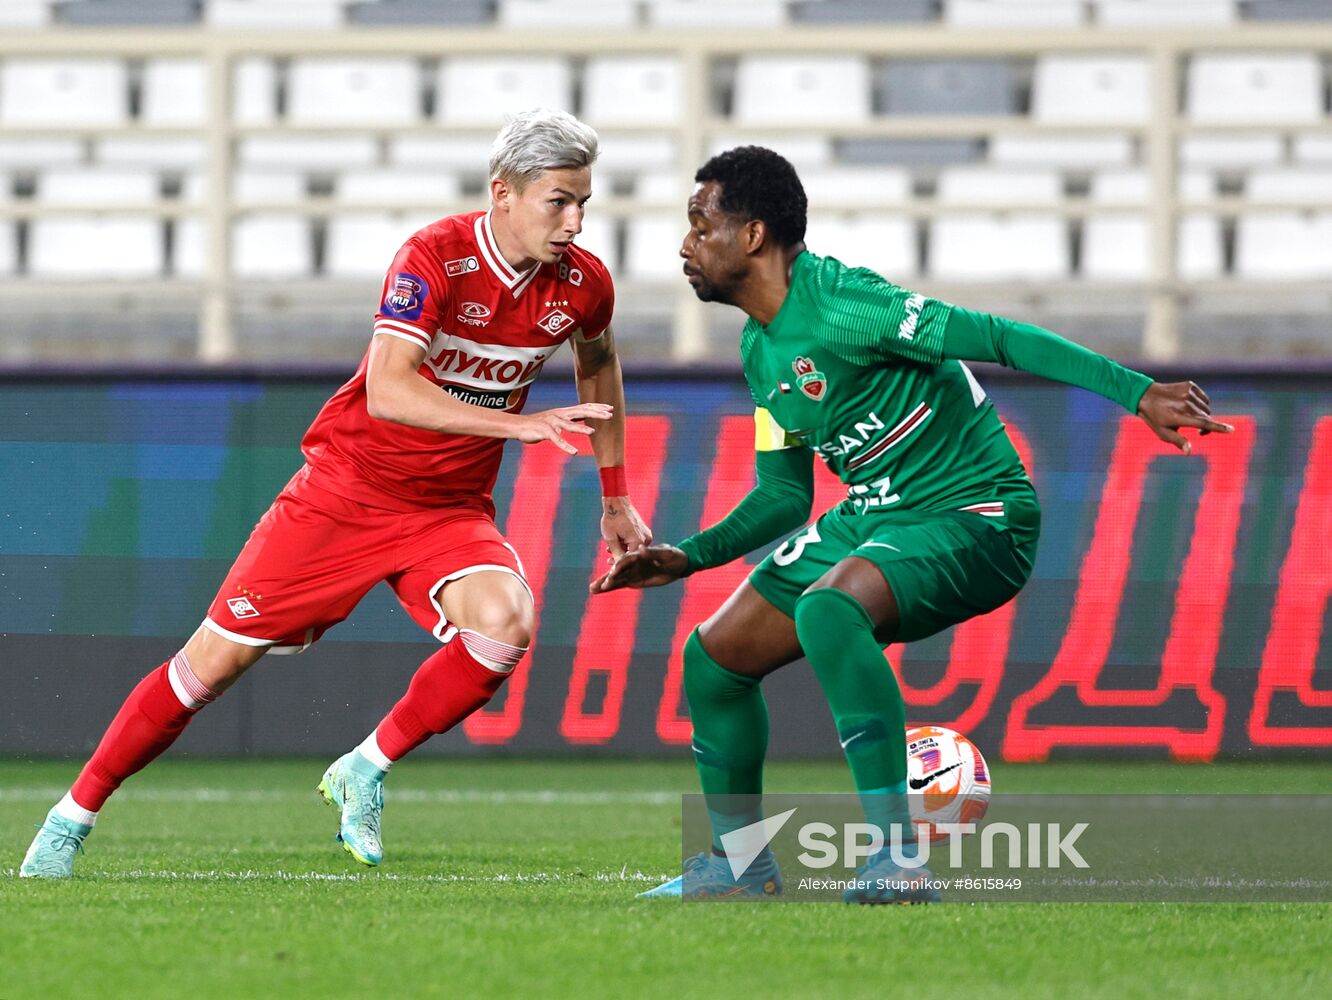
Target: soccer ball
<point>948,780</point>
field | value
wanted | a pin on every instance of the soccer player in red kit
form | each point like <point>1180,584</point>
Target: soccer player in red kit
<point>396,486</point>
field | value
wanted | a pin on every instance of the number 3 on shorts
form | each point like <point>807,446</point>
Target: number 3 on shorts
<point>793,548</point>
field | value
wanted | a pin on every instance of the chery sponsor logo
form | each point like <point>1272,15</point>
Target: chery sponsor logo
<point>555,322</point>
<point>474,314</point>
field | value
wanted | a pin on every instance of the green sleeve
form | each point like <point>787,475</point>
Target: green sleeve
<point>777,505</point>
<point>976,336</point>
<point>866,319</point>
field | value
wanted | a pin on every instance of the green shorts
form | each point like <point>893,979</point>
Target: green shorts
<point>943,566</point>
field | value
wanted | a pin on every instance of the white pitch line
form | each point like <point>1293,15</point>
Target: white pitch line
<point>251,875</point>
<point>438,795</point>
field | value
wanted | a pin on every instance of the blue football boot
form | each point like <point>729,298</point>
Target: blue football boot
<point>708,876</point>
<point>883,881</point>
<point>53,850</point>
<point>356,787</point>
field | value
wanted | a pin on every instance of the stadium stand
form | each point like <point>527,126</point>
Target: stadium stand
<point>927,131</point>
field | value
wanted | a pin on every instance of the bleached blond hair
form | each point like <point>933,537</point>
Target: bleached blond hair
<point>539,140</point>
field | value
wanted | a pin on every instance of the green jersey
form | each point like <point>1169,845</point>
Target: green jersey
<point>871,377</point>
<point>852,368</point>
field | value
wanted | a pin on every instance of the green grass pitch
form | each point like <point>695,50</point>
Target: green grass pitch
<point>512,878</point>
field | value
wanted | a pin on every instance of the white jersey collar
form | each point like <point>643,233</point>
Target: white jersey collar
<point>514,281</point>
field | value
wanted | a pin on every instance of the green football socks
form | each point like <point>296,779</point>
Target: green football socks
<point>837,636</point>
<point>730,739</point>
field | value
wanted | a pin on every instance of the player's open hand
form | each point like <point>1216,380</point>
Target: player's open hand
<point>650,566</point>
<point>621,527</point>
<point>552,425</point>
<point>1168,406</point>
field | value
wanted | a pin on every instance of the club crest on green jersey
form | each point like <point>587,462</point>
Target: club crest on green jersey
<point>812,382</point>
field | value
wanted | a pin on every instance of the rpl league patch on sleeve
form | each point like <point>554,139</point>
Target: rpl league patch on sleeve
<point>406,296</point>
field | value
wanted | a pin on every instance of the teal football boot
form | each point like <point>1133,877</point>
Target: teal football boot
<point>708,876</point>
<point>356,787</point>
<point>883,881</point>
<point>53,850</point>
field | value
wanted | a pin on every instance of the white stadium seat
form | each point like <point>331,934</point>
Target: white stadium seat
<point>457,152</point>
<point>40,153</point>
<point>1012,247</point>
<point>482,90</point>
<point>98,186</point>
<point>188,253</point>
<point>1285,87</point>
<point>716,13</point>
<point>1312,149</point>
<point>150,151</point>
<point>1054,150</point>
<point>354,91</point>
<point>662,186</point>
<point>175,92</point>
<point>1119,248</point>
<point>272,246</point>
<point>56,93</point>
<point>254,91</point>
<point>1001,188</point>
<point>652,247</point>
<point>1013,13</point>
<point>25,14</point>
<point>867,185</point>
<point>1295,186</point>
<point>633,90</point>
<point>400,187</point>
<point>1283,245</point>
<point>1134,187</point>
<point>309,152</point>
<point>884,243</point>
<point>273,13</point>
<point>1221,151</point>
<point>624,154</point>
<point>362,244</point>
<point>568,13</point>
<point>813,90</point>
<point>1154,13</point>
<point>251,187</point>
<point>1092,89</point>
<point>114,246</point>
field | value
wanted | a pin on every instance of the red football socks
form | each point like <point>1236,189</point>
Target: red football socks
<point>447,688</point>
<point>153,715</point>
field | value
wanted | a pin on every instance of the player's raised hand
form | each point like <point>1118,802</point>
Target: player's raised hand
<point>1168,406</point>
<point>552,425</point>
<point>650,566</point>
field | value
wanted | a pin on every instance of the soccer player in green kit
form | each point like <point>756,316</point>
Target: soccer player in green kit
<point>939,525</point>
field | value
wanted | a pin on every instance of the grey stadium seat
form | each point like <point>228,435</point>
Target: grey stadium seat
<point>862,11</point>
<point>1288,10</point>
<point>112,12</point>
<point>947,87</point>
<point>910,152</point>
<point>422,12</point>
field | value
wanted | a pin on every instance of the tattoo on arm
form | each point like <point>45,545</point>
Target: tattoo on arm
<point>593,355</point>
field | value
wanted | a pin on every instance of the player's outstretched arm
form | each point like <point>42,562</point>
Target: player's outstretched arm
<point>1168,406</point>
<point>599,379</point>
<point>396,391</point>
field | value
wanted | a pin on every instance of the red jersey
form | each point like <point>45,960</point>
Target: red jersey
<point>487,330</point>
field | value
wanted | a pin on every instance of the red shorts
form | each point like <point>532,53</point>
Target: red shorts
<point>314,555</point>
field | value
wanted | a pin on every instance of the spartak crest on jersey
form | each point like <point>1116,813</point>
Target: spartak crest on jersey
<point>812,382</point>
